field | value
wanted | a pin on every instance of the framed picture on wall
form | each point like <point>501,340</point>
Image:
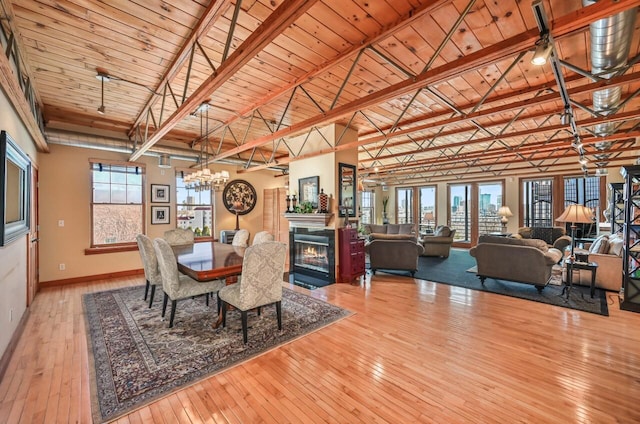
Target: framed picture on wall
<point>159,193</point>
<point>159,214</point>
<point>308,190</point>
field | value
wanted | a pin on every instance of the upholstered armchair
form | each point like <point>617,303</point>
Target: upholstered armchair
<point>260,283</point>
<point>438,244</point>
<point>241,238</point>
<point>179,236</point>
<point>393,251</point>
<point>262,237</point>
<point>177,286</point>
<point>150,264</point>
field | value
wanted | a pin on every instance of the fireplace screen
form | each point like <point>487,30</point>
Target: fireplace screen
<point>312,254</point>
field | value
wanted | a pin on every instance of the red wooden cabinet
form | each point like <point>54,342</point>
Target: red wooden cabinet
<point>351,251</point>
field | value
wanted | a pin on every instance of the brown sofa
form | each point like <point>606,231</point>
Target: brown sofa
<point>553,236</point>
<point>390,229</point>
<point>528,261</point>
<point>438,244</point>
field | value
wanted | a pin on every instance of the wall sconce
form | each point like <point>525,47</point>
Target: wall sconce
<point>542,52</point>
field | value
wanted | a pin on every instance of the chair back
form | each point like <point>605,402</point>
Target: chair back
<point>241,238</point>
<point>262,274</point>
<point>168,266</point>
<point>262,237</point>
<point>149,259</point>
<point>179,236</point>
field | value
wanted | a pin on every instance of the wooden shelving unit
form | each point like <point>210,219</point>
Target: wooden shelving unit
<point>630,294</point>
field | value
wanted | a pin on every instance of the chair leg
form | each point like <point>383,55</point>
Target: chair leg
<point>244,326</point>
<point>207,299</point>
<point>279,314</point>
<point>219,302</point>
<point>224,314</point>
<point>153,293</point>
<point>173,312</point>
<point>259,310</point>
<point>146,289</point>
<point>164,304</point>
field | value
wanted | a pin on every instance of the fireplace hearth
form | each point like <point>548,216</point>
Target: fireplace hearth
<point>312,256</point>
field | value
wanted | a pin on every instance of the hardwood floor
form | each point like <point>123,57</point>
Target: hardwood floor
<point>414,351</point>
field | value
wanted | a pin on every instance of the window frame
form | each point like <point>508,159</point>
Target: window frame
<point>179,174</point>
<point>123,246</point>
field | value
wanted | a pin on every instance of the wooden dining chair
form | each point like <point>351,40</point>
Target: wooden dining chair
<point>179,237</point>
<point>177,286</point>
<point>150,264</point>
<point>260,283</point>
<point>262,237</point>
<point>241,238</point>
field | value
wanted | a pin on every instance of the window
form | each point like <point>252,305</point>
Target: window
<point>583,191</point>
<point>404,205</point>
<point>489,202</point>
<point>194,208</point>
<point>427,212</point>
<point>117,208</point>
<point>538,203</point>
<point>367,201</point>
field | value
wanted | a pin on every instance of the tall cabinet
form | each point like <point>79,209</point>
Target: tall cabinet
<point>273,220</point>
<point>630,295</point>
<point>351,249</point>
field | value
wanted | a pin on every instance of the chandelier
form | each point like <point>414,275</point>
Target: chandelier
<point>203,179</point>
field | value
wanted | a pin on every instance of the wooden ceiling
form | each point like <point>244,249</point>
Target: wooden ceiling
<point>437,90</point>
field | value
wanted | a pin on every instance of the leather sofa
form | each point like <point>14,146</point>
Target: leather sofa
<point>393,252</point>
<point>438,244</point>
<point>528,261</point>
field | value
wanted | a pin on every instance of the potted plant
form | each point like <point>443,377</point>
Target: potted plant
<point>385,202</point>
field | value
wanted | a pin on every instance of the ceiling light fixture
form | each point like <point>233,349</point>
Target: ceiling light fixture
<point>103,78</point>
<point>203,179</point>
<point>583,160</point>
<point>543,51</point>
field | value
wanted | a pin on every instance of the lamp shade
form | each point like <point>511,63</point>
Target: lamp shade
<point>576,213</point>
<point>504,211</point>
<point>428,216</point>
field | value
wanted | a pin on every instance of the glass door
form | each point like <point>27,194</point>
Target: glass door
<point>427,212</point>
<point>489,202</point>
<point>460,211</point>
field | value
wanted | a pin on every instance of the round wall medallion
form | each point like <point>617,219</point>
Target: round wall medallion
<point>239,197</point>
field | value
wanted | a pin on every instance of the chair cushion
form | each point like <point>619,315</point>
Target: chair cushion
<point>406,229</point>
<point>601,245</point>
<point>393,228</point>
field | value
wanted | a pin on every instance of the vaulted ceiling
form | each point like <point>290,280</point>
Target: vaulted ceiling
<point>437,90</point>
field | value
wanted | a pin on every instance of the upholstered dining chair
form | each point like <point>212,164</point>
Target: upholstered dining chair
<point>150,264</point>
<point>241,238</point>
<point>179,236</point>
<point>260,283</point>
<point>262,237</point>
<point>177,286</point>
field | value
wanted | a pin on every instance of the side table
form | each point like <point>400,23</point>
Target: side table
<point>588,266</point>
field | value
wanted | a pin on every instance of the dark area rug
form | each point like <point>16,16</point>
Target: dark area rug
<point>137,358</point>
<point>453,271</point>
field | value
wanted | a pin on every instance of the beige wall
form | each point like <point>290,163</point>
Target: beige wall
<point>65,194</point>
<point>13,257</point>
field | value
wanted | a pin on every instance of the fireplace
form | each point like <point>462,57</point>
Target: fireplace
<point>312,256</point>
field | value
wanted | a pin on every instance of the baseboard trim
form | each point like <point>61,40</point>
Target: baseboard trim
<point>88,278</point>
<point>13,343</point>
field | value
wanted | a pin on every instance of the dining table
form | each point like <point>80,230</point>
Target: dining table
<point>210,260</point>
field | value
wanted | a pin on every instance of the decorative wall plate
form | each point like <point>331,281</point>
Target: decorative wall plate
<point>239,196</point>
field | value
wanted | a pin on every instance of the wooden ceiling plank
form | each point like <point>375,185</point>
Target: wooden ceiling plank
<point>283,16</point>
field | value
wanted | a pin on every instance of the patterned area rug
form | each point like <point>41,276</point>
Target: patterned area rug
<point>137,358</point>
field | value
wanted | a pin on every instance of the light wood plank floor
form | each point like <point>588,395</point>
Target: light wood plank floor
<point>414,351</point>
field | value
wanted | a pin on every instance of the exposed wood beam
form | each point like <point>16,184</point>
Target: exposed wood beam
<point>278,21</point>
<point>561,27</point>
<point>206,22</point>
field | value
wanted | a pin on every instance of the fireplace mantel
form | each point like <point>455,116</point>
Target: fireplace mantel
<point>309,219</point>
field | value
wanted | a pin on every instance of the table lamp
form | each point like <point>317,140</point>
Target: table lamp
<point>574,214</point>
<point>237,208</point>
<point>428,217</point>
<point>505,213</point>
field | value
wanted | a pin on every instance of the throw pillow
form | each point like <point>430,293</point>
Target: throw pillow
<point>393,228</point>
<point>442,231</point>
<point>375,228</point>
<point>615,245</point>
<point>601,245</point>
<point>542,233</point>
